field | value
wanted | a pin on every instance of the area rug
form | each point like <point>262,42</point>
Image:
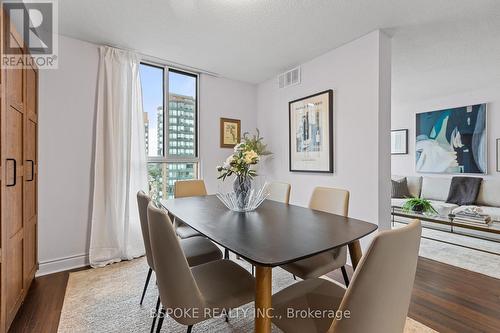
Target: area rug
<point>466,258</point>
<point>107,300</point>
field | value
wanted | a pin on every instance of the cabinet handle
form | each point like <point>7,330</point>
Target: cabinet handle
<point>32,170</point>
<point>15,171</point>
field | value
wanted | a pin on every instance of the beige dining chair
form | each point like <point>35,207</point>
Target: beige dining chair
<point>190,188</point>
<point>198,250</point>
<point>202,290</point>
<point>334,201</point>
<point>278,191</point>
<point>377,300</point>
<point>183,189</point>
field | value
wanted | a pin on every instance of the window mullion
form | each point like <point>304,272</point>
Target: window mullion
<point>166,113</point>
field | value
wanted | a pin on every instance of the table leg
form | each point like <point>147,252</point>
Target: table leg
<point>263,304</point>
<point>355,253</point>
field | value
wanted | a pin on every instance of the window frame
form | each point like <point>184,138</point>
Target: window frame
<point>167,158</point>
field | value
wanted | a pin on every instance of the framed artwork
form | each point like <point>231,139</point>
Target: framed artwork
<point>230,132</point>
<point>498,155</point>
<point>452,141</point>
<point>399,142</point>
<point>311,133</point>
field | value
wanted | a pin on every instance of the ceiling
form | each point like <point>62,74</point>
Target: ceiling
<point>252,40</point>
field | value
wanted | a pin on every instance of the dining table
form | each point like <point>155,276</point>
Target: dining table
<point>272,235</point>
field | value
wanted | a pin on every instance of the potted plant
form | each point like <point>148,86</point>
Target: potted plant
<point>419,205</point>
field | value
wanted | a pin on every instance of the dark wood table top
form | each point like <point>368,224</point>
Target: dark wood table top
<point>272,235</point>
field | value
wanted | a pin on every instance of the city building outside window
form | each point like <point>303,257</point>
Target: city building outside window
<point>170,132</point>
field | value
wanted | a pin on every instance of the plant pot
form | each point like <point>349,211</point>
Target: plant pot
<point>418,208</point>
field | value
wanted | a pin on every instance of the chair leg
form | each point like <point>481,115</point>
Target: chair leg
<point>146,285</point>
<point>190,327</point>
<point>156,314</point>
<point>253,270</point>
<point>344,274</point>
<point>226,254</point>
<point>160,320</point>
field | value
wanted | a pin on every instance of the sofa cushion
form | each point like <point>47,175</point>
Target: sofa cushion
<point>400,188</point>
<point>414,184</point>
<point>443,208</point>
<point>489,193</point>
<point>494,212</point>
<point>434,188</point>
<point>397,202</point>
<point>464,190</point>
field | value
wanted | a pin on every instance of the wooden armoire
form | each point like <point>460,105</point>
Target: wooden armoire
<point>18,180</point>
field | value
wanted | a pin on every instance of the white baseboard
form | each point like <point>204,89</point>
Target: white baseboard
<point>62,264</point>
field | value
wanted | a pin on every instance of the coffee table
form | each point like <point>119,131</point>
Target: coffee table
<point>492,228</point>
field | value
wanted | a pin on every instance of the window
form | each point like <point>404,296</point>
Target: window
<point>170,132</point>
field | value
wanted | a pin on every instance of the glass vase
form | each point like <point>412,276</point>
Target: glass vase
<point>242,187</point>
<point>244,194</point>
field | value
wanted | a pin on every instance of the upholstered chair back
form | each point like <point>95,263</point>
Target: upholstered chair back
<point>379,294</point>
<point>189,188</point>
<point>143,201</point>
<point>176,284</point>
<point>278,191</point>
<point>330,200</point>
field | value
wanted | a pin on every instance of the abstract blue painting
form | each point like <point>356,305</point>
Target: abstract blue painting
<point>452,140</point>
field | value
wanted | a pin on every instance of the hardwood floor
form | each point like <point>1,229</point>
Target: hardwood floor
<point>451,299</point>
<point>445,298</point>
<point>42,307</point>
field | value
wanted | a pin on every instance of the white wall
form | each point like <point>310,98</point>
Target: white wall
<point>225,98</point>
<point>446,65</point>
<point>67,109</point>
<point>359,74</point>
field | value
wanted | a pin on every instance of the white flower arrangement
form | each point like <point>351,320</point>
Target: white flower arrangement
<point>239,163</point>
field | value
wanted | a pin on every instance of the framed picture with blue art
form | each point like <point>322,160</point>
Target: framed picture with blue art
<point>311,133</point>
<point>452,141</point>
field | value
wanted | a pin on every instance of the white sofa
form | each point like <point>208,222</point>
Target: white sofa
<point>435,189</point>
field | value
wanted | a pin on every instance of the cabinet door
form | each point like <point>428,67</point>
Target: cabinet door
<point>30,177</point>
<point>12,210</point>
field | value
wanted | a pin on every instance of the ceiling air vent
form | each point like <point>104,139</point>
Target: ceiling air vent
<point>289,78</point>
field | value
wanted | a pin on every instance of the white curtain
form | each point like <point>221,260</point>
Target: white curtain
<point>120,160</point>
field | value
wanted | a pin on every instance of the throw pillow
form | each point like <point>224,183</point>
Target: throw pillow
<point>464,190</point>
<point>400,188</point>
